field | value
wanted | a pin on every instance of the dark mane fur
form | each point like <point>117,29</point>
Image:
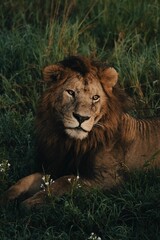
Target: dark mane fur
<point>82,65</point>
<point>76,63</point>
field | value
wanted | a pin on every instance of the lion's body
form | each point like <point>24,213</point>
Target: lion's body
<point>83,130</point>
<point>142,142</point>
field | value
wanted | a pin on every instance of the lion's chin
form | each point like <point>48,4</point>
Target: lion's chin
<point>76,133</point>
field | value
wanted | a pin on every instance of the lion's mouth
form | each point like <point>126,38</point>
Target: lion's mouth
<point>77,132</point>
<point>79,128</point>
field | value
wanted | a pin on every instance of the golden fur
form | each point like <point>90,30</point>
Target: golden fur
<point>83,130</point>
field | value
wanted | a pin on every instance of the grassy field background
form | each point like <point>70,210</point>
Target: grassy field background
<point>36,33</point>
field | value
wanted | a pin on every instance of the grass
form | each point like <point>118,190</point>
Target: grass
<point>131,213</point>
<point>36,33</point>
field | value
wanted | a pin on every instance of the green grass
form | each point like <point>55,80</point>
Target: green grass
<point>131,213</point>
<point>36,33</point>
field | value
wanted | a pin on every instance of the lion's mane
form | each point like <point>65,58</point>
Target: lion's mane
<point>53,143</point>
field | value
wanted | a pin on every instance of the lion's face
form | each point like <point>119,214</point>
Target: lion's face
<point>80,101</point>
<point>80,105</point>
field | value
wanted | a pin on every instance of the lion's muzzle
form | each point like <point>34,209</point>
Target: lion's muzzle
<point>79,126</point>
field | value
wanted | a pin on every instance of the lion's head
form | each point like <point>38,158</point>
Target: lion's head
<point>78,93</point>
<point>83,102</point>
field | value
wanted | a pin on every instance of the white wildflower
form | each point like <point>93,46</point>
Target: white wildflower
<point>4,166</point>
<point>42,186</point>
<point>69,179</point>
<point>78,185</point>
<point>43,178</point>
<point>47,183</point>
<point>51,181</point>
<point>93,236</point>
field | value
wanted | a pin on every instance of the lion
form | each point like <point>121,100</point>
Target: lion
<point>84,133</point>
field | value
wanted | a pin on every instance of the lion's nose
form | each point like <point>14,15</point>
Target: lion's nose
<point>80,118</point>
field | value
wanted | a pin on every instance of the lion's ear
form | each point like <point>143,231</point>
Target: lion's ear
<point>52,73</point>
<point>109,78</point>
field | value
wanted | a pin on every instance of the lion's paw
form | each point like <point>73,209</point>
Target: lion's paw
<point>35,201</point>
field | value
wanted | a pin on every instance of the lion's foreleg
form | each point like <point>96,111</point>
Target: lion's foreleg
<point>26,186</point>
<point>58,188</point>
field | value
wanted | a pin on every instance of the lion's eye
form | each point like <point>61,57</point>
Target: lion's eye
<point>95,98</point>
<point>71,92</point>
